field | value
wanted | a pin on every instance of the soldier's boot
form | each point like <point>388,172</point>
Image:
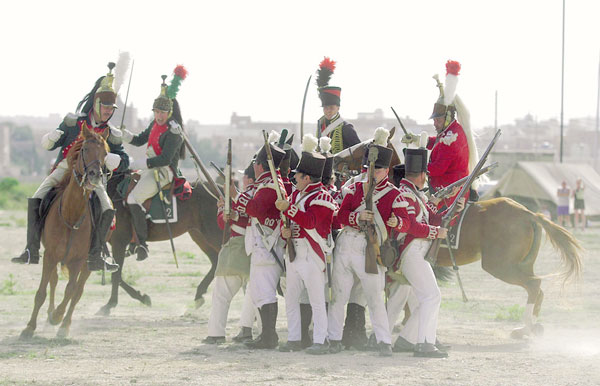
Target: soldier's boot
<point>244,335</point>
<point>31,254</point>
<point>138,218</point>
<point>305,319</point>
<point>428,350</point>
<point>349,325</point>
<point>269,338</point>
<point>359,338</point>
<point>95,261</point>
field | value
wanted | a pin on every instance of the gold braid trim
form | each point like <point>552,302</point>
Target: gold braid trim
<point>337,142</point>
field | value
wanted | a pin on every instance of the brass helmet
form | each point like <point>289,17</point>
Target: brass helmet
<point>444,106</point>
<point>106,94</point>
<point>162,102</point>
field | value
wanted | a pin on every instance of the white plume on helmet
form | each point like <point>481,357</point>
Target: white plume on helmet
<point>325,144</point>
<point>309,143</point>
<point>450,88</point>
<point>121,69</point>
<point>274,136</point>
<point>381,136</point>
<point>464,117</point>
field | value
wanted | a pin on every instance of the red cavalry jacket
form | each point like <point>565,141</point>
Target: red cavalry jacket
<point>311,208</point>
<point>449,159</point>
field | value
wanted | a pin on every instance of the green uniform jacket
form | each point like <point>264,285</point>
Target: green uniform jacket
<point>71,129</point>
<point>170,142</point>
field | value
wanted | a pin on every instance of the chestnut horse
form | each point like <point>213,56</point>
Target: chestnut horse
<point>505,236</point>
<point>67,231</point>
<point>196,216</point>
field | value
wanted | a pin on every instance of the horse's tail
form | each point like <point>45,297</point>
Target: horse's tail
<point>568,246</point>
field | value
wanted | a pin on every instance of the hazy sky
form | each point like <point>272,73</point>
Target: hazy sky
<point>254,57</point>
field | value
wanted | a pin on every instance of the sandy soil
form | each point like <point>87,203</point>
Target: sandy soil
<point>162,344</point>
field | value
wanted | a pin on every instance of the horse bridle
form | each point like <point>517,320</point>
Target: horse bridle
<point>81,178</point>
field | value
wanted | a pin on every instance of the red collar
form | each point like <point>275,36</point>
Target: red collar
<point>312,187</point>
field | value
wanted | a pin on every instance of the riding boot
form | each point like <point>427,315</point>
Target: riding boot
<point>268,339</point>
<point>305,319</point>
<point>359,338</point>
<point>31,254</point>
<point>138,217</point>
<point>95,261</point>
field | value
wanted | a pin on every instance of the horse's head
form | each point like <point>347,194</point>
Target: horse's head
<point>87,167</point>
<point>349,161</point>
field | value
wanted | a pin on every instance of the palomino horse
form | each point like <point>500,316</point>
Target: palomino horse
<point>506,237</point>
<point>196,216</point>
<point>67,231</point>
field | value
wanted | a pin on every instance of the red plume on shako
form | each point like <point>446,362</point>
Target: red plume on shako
<point>330,95</point>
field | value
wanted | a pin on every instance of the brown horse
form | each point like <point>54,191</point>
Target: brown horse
<point>67,231</point>
<point>506,237</point>
<point>196,216</point>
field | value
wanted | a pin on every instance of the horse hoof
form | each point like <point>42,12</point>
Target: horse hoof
<point>199,302</point>
<point>104,311</point>
<point>146,300</point>
<point>26,334</point>
<point>519,333</point>
<point>54,319</point>
<point>538,329</point>
<point>62,333</point>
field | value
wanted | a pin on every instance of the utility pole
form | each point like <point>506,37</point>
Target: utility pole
<point>562,85</point>
<point>597,147</point>
<point>496,112</point>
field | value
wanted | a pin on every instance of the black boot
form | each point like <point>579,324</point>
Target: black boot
<point>138,218</point>
<point>95,261</point>
<point>305,319</point>
<point>268,339</point>
<point>245,335</point>
<point>31,254</point>
<point>359,338</point>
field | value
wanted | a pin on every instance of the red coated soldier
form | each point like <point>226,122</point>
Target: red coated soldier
<point>310,210</point>
<point>453,150</point>
<point>264,243</point>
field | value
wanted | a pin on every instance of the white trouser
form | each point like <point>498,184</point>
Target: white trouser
<point>348,263</point>
<point>357,294</point>
<point>57,175</point>
<point>305,275</point>
<point>249,312</point>
<point>399,295</point>
<point>146,186</point>
<point>264,274</point>
<point>420,276</point>
<point>224,290</point>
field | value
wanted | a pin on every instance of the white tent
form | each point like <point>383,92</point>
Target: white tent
<point>535,185</point>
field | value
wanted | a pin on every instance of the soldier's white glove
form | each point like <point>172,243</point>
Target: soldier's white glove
<point>175,127</point>
<point>410,138</point>
<point>49,139</point>
<point>127,135</point>
<point>112,161</point>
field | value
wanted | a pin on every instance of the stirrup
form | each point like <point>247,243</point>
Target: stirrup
<point>142,252</point>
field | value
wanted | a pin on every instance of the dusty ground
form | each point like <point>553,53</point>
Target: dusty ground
<point>162,344</point>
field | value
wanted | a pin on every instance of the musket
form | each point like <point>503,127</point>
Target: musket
<point>431,255</point>
<point>329,274</point>
<point>290,247</point>
<point>218,169</point>
<point>196,158</point>
<point>227,207</point>
<point>446,191</point>
<point>164,208</point>
<point>399,121</point>
<point>302,114</point>
<point>127,95</point>
<point>372,252</point>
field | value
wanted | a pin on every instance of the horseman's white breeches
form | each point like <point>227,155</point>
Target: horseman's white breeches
<point>348,264</point>
<point>57,175</point>
<point>419,274</point>
<point>305,274</point>
<point>52,179</point>
<point>146,186</point>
